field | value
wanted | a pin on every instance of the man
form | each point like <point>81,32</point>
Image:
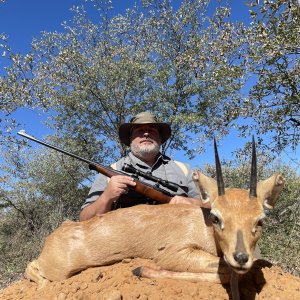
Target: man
<point>144,134</point>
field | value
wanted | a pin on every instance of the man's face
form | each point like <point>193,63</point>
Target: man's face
<point>145,141</point>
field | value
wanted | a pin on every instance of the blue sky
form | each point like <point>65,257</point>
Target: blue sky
<point>22,20</point>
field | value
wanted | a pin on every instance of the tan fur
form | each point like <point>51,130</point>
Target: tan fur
<point>179,237</point>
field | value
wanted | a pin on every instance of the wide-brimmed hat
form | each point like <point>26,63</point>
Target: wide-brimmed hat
<point>142,119</point>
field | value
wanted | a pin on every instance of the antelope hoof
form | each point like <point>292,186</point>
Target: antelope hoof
<point>138,272</point>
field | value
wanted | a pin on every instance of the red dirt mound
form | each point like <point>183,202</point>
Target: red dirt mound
<point>116,282</point>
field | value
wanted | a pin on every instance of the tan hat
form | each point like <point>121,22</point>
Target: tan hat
<point>142,119</point>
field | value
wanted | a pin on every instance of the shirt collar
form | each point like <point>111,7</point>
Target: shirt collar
<point>136,161</point>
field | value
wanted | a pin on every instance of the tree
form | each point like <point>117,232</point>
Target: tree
<point>37,177</point>
<point>6,108</point>
<point>272,56</point>
<point>177,63</point>
<point>188,66</point>
<point>41,189</point>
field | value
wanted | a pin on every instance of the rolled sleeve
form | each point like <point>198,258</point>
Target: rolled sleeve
<point>96,190</point>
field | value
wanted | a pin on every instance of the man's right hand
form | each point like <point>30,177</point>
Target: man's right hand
<point>117,186</point>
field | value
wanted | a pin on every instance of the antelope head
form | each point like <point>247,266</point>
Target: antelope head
<point>237,214</point>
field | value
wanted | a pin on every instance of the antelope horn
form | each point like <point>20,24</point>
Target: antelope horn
<point>220,182</point>
<point>253,178</point>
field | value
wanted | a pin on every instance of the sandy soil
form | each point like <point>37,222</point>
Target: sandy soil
<point>116,282</point>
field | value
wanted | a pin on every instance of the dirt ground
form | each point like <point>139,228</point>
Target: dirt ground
<point>116,282</point>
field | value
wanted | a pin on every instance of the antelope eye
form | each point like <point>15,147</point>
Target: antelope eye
<point>260,223</point>
<point>215,220</point>
<point>258,226</point>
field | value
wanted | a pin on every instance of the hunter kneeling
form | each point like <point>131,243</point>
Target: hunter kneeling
<point>145,135</point>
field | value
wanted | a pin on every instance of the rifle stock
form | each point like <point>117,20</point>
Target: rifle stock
<point>144,189</point>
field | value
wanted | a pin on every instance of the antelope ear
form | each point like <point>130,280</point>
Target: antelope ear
<point>268,190</point>
<point>206,186</point>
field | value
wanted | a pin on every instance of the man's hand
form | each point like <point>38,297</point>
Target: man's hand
<point>117,186</point>
<point>186,200</point>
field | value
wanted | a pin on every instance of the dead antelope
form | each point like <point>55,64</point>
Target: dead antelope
<point>184,241</point>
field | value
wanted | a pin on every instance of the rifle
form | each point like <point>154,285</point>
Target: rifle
<point>142,188</point>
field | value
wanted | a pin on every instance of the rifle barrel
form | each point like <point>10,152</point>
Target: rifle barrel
<point>23,133</point>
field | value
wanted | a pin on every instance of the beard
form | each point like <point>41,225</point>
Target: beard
<point>145,151</point>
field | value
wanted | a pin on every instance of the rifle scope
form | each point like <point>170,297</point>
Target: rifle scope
<point>147,175</point>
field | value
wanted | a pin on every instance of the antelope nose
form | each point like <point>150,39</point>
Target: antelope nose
<point>240,257</point>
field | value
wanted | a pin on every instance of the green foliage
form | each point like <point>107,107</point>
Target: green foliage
<point>40,190</point>
<point>272,51</point>
<point>192,66</point>
<point>93,76</point>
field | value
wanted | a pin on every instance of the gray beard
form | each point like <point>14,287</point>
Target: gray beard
<point>146,151</point>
